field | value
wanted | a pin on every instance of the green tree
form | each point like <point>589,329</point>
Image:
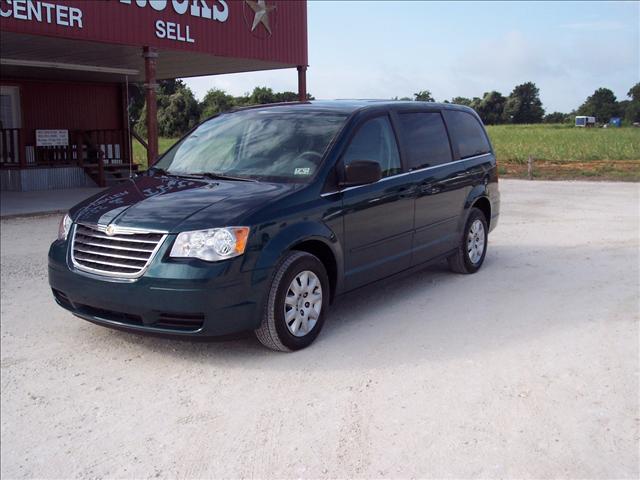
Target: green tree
<point>261,96</point>
<point>555,117</point>
<point>461,101</point>
<point>423,96</point>
<point>491,107</point>
<point>524,105</point>
<point>632,109</point>
<point>602,104</point>
<point>179,113</point>
<point>178,110</point>
<point>214,102</point>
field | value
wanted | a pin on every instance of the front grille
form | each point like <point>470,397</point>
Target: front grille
<point>120,317</point>
<point>126,253</point>
<point>185,322</point>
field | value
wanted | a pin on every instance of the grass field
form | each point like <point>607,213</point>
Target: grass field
<point>564,151</point>
<point>558,151</point>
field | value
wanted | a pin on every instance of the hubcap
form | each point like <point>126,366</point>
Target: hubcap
<point>303,303</point>
<point>475,241</point>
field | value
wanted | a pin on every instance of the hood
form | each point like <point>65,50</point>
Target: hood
<point>169,203</point>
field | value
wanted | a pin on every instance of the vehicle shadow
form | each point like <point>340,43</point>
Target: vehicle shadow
<point>432,315</point>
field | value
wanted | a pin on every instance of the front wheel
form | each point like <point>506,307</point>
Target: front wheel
<point>473,248</point>
<point>297,300</point>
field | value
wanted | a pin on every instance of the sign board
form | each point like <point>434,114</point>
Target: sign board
<point>52,138</point>
<point>269,30</point>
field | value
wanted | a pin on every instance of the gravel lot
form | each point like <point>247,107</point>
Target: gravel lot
<point>527,369</point>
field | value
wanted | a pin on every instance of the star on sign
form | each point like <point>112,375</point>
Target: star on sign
<point>261,11</point>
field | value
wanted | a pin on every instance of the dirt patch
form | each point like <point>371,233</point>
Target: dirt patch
<point>616,170</point>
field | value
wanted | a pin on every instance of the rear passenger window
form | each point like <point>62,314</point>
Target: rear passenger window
<point>375,141</point>
<point>467,134</point>
<point>425,138</point>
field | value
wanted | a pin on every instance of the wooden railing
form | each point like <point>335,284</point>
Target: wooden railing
<point>107,147</point>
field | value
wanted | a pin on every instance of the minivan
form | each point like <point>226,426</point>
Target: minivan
<point>258,218</point>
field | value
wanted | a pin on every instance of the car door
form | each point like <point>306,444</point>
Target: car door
<point>439,183</point>
<point>378,217</point>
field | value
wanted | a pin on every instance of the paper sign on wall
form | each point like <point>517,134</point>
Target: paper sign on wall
<point>52,138</point>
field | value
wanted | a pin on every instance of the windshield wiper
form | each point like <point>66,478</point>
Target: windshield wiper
<point>166,173</point>
<point>223,176</point>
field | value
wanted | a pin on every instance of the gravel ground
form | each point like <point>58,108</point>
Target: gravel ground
<point>527,369</point>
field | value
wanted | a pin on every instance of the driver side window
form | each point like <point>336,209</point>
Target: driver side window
<point>375,142</point>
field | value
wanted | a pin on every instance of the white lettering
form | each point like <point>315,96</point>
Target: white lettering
<point>35,11</point>
<point>48,7</point>
<point>213,9</point>
<point>75,17</point>
<point>160,29</point>
<point>195,8</point>
<point>20,9</point>
<point>221,15</point>
<point>180,6</point>
<point>62,15</point>
<point>5,13</point>
<point>158,5</point>
<point>206,11</point>
<point>173,31</point>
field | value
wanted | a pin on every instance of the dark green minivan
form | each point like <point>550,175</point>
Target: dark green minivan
<point>258,218</point>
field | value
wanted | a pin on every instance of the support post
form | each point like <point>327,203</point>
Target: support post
<point>302,83</point>
<point>150,57</point>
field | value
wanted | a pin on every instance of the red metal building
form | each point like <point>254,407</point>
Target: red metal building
<point>64,66</point>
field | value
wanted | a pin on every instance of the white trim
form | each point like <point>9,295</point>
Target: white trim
<point>406,173</point>
<point>16,108</point>
<point>67,66</point>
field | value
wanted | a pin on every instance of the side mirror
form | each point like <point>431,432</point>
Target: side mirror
<point>361,172</point>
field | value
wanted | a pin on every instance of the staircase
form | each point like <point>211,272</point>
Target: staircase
<point>108,175</point>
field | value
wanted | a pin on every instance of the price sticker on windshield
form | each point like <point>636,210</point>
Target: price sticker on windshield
<point>302,171</point>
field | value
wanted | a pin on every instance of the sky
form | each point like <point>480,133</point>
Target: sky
<point>384,49</point>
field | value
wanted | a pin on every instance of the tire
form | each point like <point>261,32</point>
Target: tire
<point>469,256</point>
<point>279,333</point>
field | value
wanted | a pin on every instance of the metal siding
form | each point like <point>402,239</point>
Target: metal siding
<point>117,23</point>
<point>68,105</point>
<point>31,179</point>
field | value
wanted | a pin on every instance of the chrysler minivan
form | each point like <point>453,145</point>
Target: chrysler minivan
<point>258,218</point>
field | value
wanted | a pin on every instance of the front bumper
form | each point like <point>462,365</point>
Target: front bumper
<point>175,297</point>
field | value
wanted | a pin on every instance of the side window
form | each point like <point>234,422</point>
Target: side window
<point>467,134</point>
<point>425,138</point>
<point>376,142</point>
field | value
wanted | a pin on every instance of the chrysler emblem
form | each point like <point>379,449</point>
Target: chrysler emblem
<point>110,230</point>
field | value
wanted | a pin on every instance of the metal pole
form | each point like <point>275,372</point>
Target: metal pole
<point>302,83</point>
<point>129,142</point>
<point>150,56</point>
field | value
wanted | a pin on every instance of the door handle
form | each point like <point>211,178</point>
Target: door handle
<point>429,188</point>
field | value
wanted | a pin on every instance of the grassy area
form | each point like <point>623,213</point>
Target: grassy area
<point>140,154</point>
<point>560,143</point>
<point>566,152</point>
<point>559,151</point>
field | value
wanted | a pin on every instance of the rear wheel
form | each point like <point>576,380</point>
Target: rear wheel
<point>298,298</point>
<point>473,247</point>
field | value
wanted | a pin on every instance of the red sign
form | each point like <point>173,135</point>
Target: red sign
<point>267,30</point>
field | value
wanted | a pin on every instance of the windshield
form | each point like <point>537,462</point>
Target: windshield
<point>259,144</point>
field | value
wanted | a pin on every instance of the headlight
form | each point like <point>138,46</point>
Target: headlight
<point>64,227</point>
<point>211,245</point>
